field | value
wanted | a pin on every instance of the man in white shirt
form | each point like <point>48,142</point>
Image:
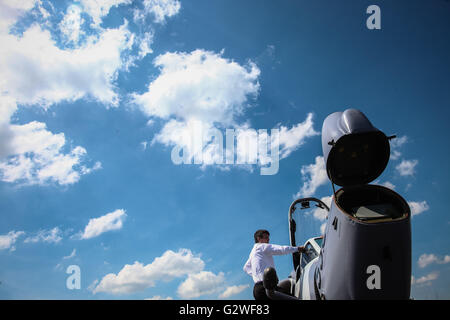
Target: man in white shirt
<point>261,257</point>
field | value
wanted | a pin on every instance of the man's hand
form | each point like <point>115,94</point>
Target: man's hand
<point>301,249</point>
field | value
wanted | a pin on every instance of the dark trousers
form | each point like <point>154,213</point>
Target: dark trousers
<point>259,292</point>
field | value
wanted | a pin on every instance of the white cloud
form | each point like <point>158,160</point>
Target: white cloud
<point>323,226</point>
<point>159,298</point>
<point>407,167</point>
<point>11,10</point>
<point>71,24</point>
<point>395,154</point>
<point>110,221</point>
<point>386,184</point>
<point>427,259</point>
<point>418,207</point>
<point>48,236</point>
<point>7,108</point>
<point>34,155</point>
<point>34,138</point>
<point>202,91</point>
<point>233,290</point>
<point>137,277</point>
<point>395,145</point>
<point>8,240</point>
<point>313,175</point>
<point>85,170</point>
<point>322,214</point>
<point>201,85</point>
<point>194,92</point>
<point>145,44</point>
<point>71,255</point>
<point>399,141</point>
<point>202,283</point>
<point>389,185</point>
<point>92,286</point>
<point>44,13</point>
<point>159,9</point>
<point>292,139</point>
<point>99,9</point>
<point>33,70</point>
<point>425,280</point>
<point>144,145</point>
<point>202,141</point>
<point>179,133</point>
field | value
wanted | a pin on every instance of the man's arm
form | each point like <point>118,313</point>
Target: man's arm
<point>278,250</point>
<point>248,267</point>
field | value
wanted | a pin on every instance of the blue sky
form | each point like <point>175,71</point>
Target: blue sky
<point>95,97</point>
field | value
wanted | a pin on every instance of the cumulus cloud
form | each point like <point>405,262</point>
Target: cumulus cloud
<point>427,259</point>
<point>200,91</point>
<point>8,240</point>
<point>396,144</point>
<point>99,9</point>
<point>201,85</point>
<point>187,135</point>
<point>314,175</point>
<point>159,298</point>
<point>407,167</point>
<point>71,255</point>
<point>322,214</point>
<point>418,207</point>
<point>194,92</point>
<point>292,139</point>
<point>34,155</point>
<point>137,277</point>
<point>425,280</point>
<point>110,221</point>
<point>48,236</point>
<point>145,43</point>
<point>159,9</point>
<point>323,226</point>
<point>233,290</point>
<point>388,184</point>
<point>10,11</point>
<point>71,24</point>
<point>33,70</point>
<point>202,283</point>
<point>7,108</point>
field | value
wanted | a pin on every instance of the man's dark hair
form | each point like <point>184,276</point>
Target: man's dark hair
<point>260,234</point>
